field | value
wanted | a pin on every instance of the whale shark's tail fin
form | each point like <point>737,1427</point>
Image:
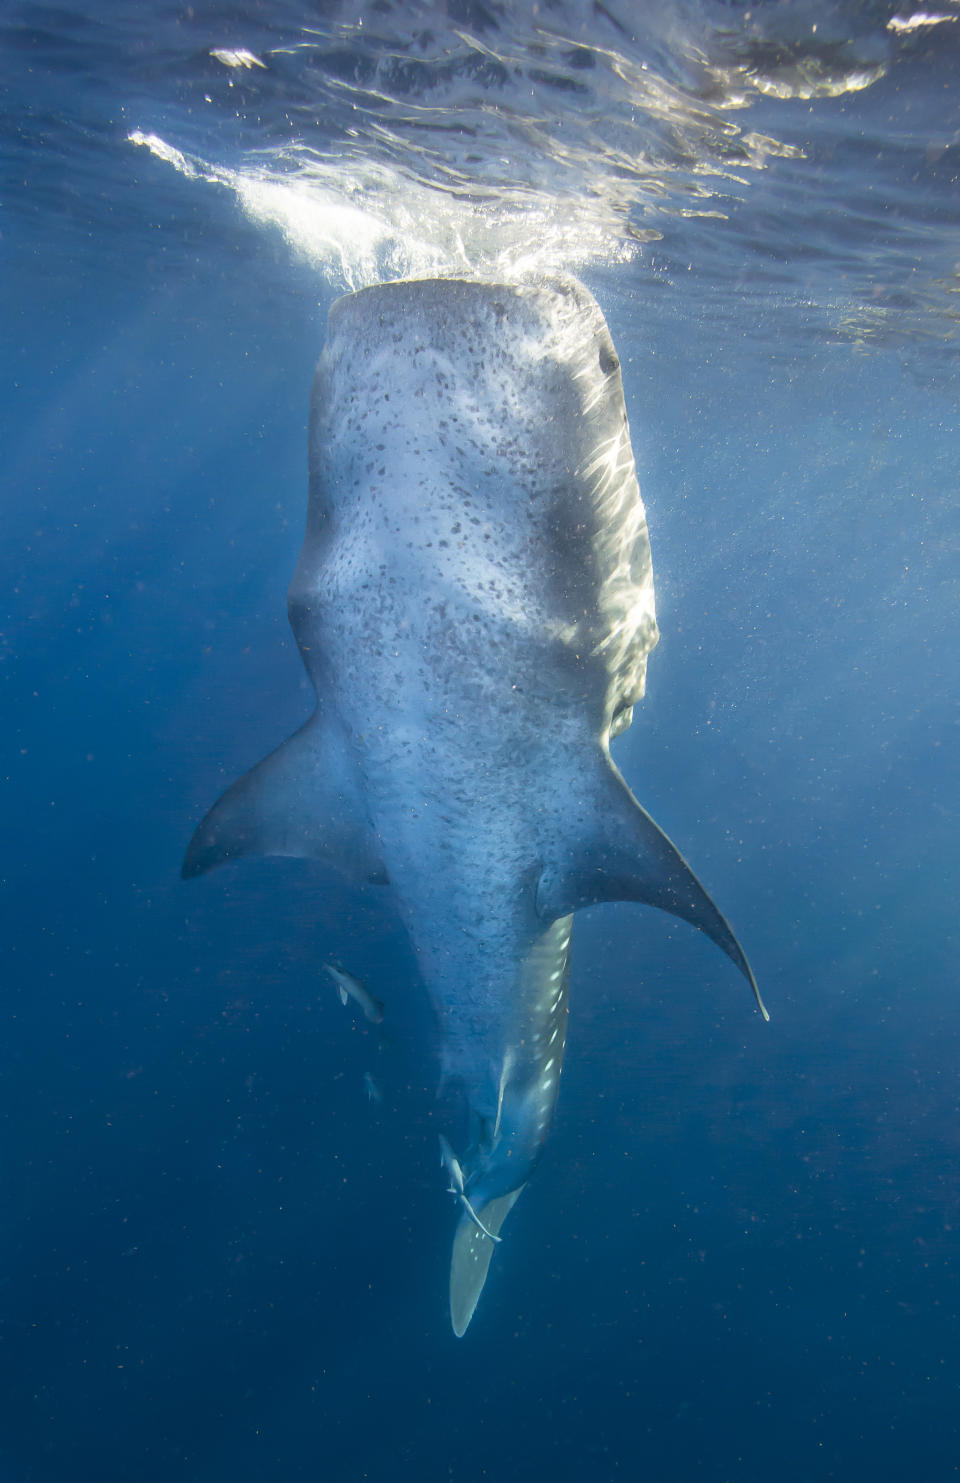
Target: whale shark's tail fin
<point>303,800</point>
<point>611,850</point>
<point>472,1250</point>
<point>510,1140</point>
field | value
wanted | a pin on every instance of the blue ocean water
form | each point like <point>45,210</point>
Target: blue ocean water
<point>738,1259</point>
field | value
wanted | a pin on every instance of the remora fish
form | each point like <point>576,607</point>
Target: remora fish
<point>349,987</point>
<point>451,1163</point>
<point>474,606</point>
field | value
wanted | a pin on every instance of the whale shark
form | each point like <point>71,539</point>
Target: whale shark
<point>474,606</point>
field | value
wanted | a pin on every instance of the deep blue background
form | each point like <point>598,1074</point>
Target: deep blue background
<point>217,1261</point>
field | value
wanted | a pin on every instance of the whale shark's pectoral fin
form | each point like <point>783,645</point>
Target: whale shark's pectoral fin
<point>303,800</point>
<point>619,854</point>
<point>473,1245</point>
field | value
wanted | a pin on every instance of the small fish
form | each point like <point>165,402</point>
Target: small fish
<point>349,987</point>
<point>374,1093</point>
<point>451,1163</point>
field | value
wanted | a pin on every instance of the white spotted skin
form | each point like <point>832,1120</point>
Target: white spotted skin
<point>475,599</point>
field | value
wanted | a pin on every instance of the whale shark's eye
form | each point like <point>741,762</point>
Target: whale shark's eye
<point>609,361</point>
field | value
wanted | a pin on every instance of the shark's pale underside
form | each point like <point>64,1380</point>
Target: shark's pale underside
<point>474,606</point>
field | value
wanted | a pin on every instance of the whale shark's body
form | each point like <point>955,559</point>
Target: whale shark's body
<point>474,606</point>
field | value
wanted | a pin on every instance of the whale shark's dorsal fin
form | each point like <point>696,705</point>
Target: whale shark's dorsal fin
<point>471,1257</point>
<point>622,855</point>
<point>303,800</point>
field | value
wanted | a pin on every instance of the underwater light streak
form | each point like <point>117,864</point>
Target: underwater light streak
<point>918,22</point>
